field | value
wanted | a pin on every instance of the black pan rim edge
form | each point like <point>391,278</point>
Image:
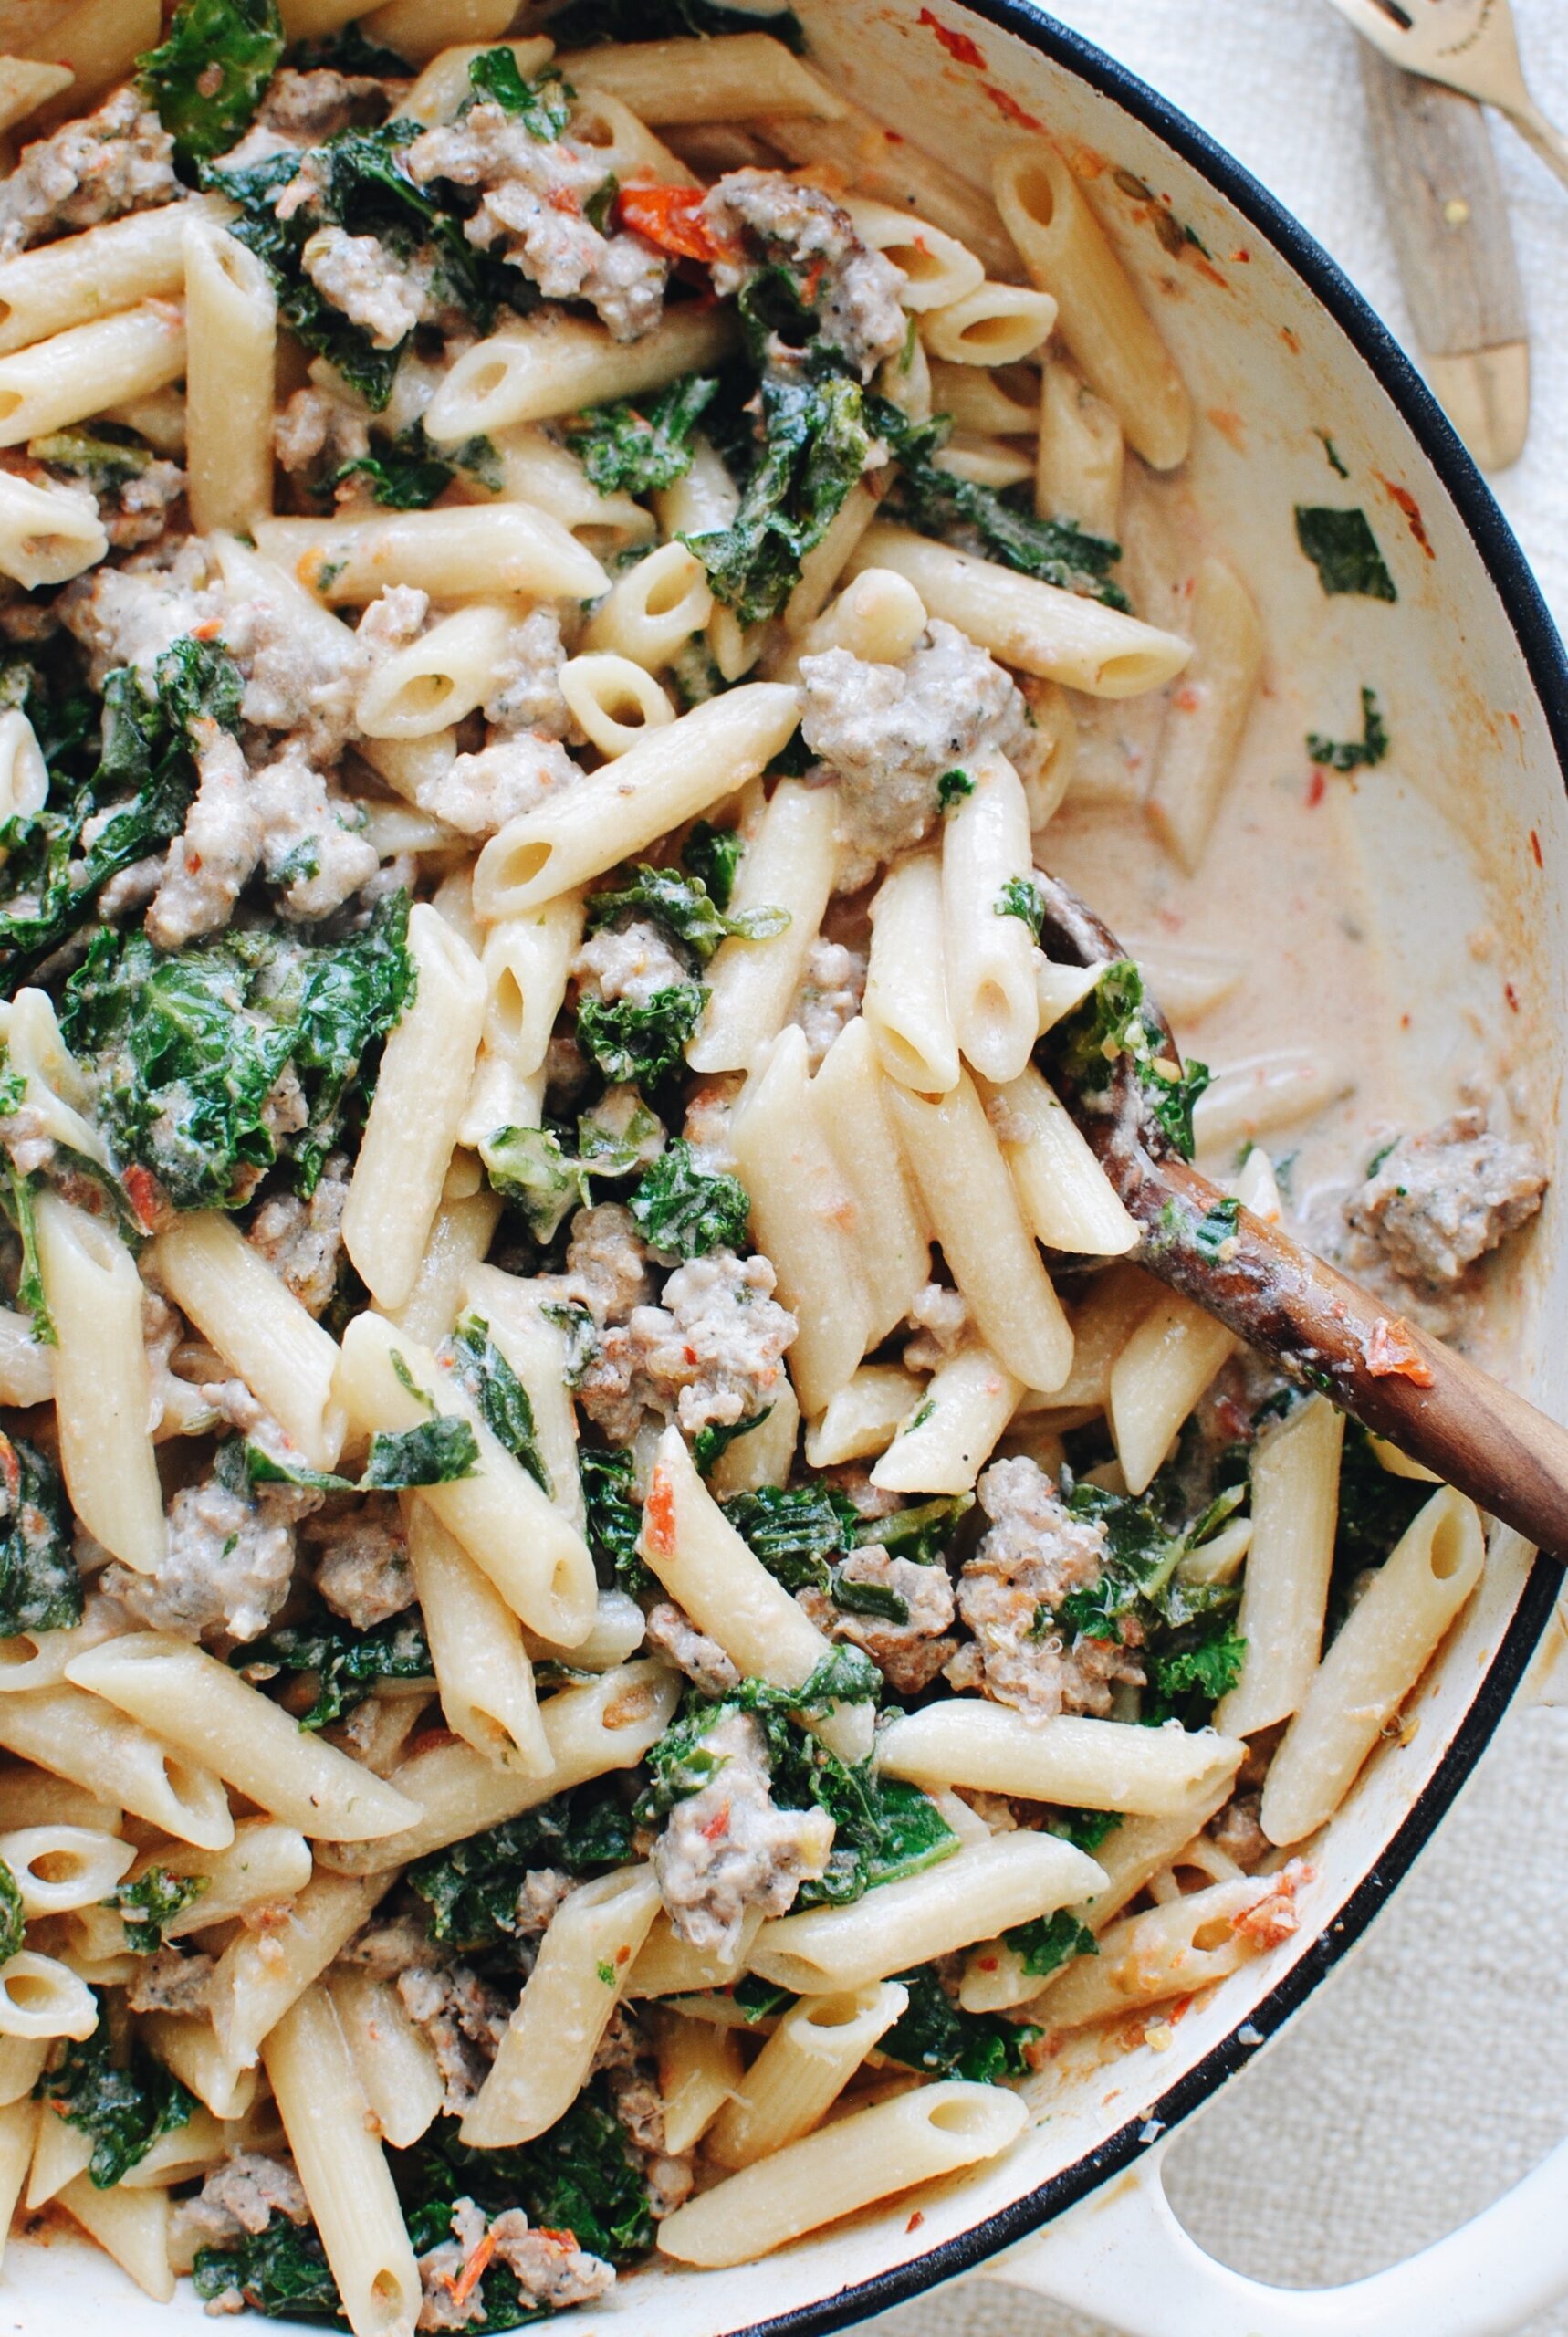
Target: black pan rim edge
<point>1542,651</point>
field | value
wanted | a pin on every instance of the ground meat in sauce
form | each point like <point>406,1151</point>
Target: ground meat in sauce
<point>363,1571</point>
<point>135,509</point>
<point>910,1654</point>
<point>118,160</point>
<point>1033,1552</point>
<point>315,106</point>
<point>707,1124</point>
<point>211,862</point>
<point>608,1264</point>
<point>534,194</point>
<point>708,1355</point>
<point>241,2193</point>
<point>303,1240</point>
<point>316,427</point>
<point>465,2021</point>
<point>1237,1832</point>
<point>1438,1202</point>
<point>308,845</point>
<point>765,217</point>
<point>891,732</point>
<point>384,296</point>
<point>227,1568</point>
<point>551,2271</point>
<point>941,1320</point>
<point>477,793</point>
<point>829,997</point>
<point>170,1981</point>
<point>672,1632</point>
<point>728,1848</point>
<point>634,963</point>
<point>525,685</point>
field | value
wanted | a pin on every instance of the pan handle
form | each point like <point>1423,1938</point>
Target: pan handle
<point>1121,2258</point>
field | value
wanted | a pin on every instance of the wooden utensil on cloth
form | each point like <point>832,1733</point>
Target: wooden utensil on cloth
<point>1322,1328</point>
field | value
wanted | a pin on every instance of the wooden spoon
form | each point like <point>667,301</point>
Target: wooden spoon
<point>1322,1328</point>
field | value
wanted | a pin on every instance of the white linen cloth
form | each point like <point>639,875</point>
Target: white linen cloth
<point>1432,2071</point>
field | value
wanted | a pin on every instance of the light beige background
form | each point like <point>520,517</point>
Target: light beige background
<point>1432,2070</point>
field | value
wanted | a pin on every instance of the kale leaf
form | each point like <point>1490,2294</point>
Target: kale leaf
<point>1344,549</point>
<point>281,2271</point>
<point>614,1518</point>
<point>923,1532</point>
<point>683,1212</point>
<point>710,1444</point>
<point>713,855</point>
<point>935,2036</point>
<point>1048,1941</point>
<point>124,2107</point>
<point>1021,898</point>
<point>792,1530</point>
<point>152,1903</point>
<point>17,1198</point>
<point>951,789</point>
<point>436,1453</point>
<point>1353,754</point>
<point>186,1045</point>
<point>40,1589</point>
<point>816,443</point>
<point>1111,1022</point>
<point>581,2176</point>
<point>208,78</point>
<point>108,456</point>
<point>629,1041</point>
<point>137,797</point>
<point>529,1167</point>
<point>471,1889</point>
<point>576,1324</point>
<point>682,906</point>
<point>485,1375</point>
<point>348,1665</point>
<point>543,105</point>
<point>637,448</point>
<point>407,473</point>
<point>1202,1664</point>
<point>605,1149</point>
<point>1084,1829</point>
<point>940,502</point>
<point>1375,1506</point>
<point>12,1921</point>
<point>584,23</point>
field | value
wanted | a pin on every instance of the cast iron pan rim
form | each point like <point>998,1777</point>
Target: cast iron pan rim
<point>1542,652</point>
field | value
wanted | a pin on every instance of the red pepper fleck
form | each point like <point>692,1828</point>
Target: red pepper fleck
<point>1009,108</point>
<point>659,1516</point>
<point>1535,848</point>
<point>144,1194</point>
<point>1406,502</point>
<point>472,2270</point>
<point>987,1963</point>
<point>667,216</point>
<point>562,2238</point>
<point>1511,995</point>
<point>1289,338</point>
<point>1242,256</point>
<point>1392,1353</point>
<point>916,2220</point>
<point>208,630</point>
<point>1317,788</point>
<point>718,1826</point>
<point>959,46</point>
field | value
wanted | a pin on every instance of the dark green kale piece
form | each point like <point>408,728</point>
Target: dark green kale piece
<point>281,2271</point>
<point>634,447</point>
<point>581,2176</point>
<point>543,105</point>
<point>40,1589</point>
<point>934,2034</point>
<point>641,1043</point>
<point>123,2102</point>
<point>614,1518</point>
<point>685,909</point>
<point>471,1890</point>
<point>152,1903</point>
<point>924,1532</point>
<point>713,855</point>
<point>952,788</point>
<point>12,1921</point>
<point>434,1452</point>
<point>1049,1942</point>
<point>407,474</point>
<point>1112,1021</point>
<point>348,1665</point>
<point>1344,549</point>
<point>793,1530</point>
<point>531,1168</point>
<point>210,73</point>
<point>815,444</point>
<point>683,1211</point>
<point>1021,898</point>
<point>710,1443</point>
<point>1353,754</point>
<point>483,1374</point>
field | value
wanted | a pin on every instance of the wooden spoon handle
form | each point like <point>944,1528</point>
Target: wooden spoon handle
<point>1321,1327</point>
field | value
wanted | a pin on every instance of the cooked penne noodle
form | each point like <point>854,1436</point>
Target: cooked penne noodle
<point>863,1416</point>
<point>1078,461</point>
<point>264,1862</point>
<point>56,1867</point>
<point>260,1975</point>
<point>613,702</point>
<point>996,324</point>
<point>1294,1501</point>
<point>48,532</point>
<point>438,679</point>
<point>18,2127</point>
<point>102,1390</point>
<point>988,945</point>
<point>893,169</point>
<point>1172,1950</point>
<point>1207,714</point>
<point>482,1668</point>
<point>533,372</point>
<point>906,1004</point>
<point>25,86</point>
<point>131,2225</point>
<point>1385,1643</point>
<point>802,2069</point>
<point>421,29</point>
<point>42,1997</point>
<point>450,554</point>
<point>21,2060</point>
<point>231,334</point>
<point>461,1233</point>
<point>789,868</point>
<point>731,76</point>
<point>1169,1360</point>
<point>890,1238</point>
<point>699,2067</point>
<point>1249,1100</point>
<point>88,366</point>
<point>762,1455</point>
<point>80,1737</point>
<point>446,83</point>
<point>651,613</point>
<point>1068,1201</point>
<point>1087,1764</point>
<point>393,2058</point>
<point>668,1965</point>
<point>946,1439</point>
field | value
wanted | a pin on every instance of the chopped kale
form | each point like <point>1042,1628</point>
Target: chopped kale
<point>713,855</point>
<point>1202,1663</point>
<point>1048,1941</point>
<point>241,1467</point>
<point>1111,1022</point>
<point>1084,1829</point>
<point>792,1530</point>
<point>17,1198</point>
<point>211,72</point>
<point>1217,1226</point>
<point>281,2271</point>
<point>434,1453</point>
<point>107,457</point>
<point>1374,1508</point>
<point>758,1999</point>
<point>940,502</point>
<point>815,445</point>
<point>12,1921</point>
<point>138,798</point>
<point>581,2177</point>
<point>348,1665</point>
<point>614,1518</point>
<point>152,1903</point>
<point>186,1045</point>
<point>124,2102</point>
<point>921,1532</point>
<point>1353,754</point>
<point>485,1375</point>
<point>529,1168</point>
<point>406,473</point>
<point>878,1599</point>
<point>584,23</point>
<point>40,1589</point>
<point>709,1443</point>
<point>576,1324</point>
<point>543,105</point>
<point>1344,549</point>
<point>684,1213</point>
<point>636,448</point>
<point>682,906</point>
<point>605,1150</point>
<point>952,788</point>
<point>935,2036</point>
<point>471,1890</point>
<point>1021,898</point>
<point>629,1041</point>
